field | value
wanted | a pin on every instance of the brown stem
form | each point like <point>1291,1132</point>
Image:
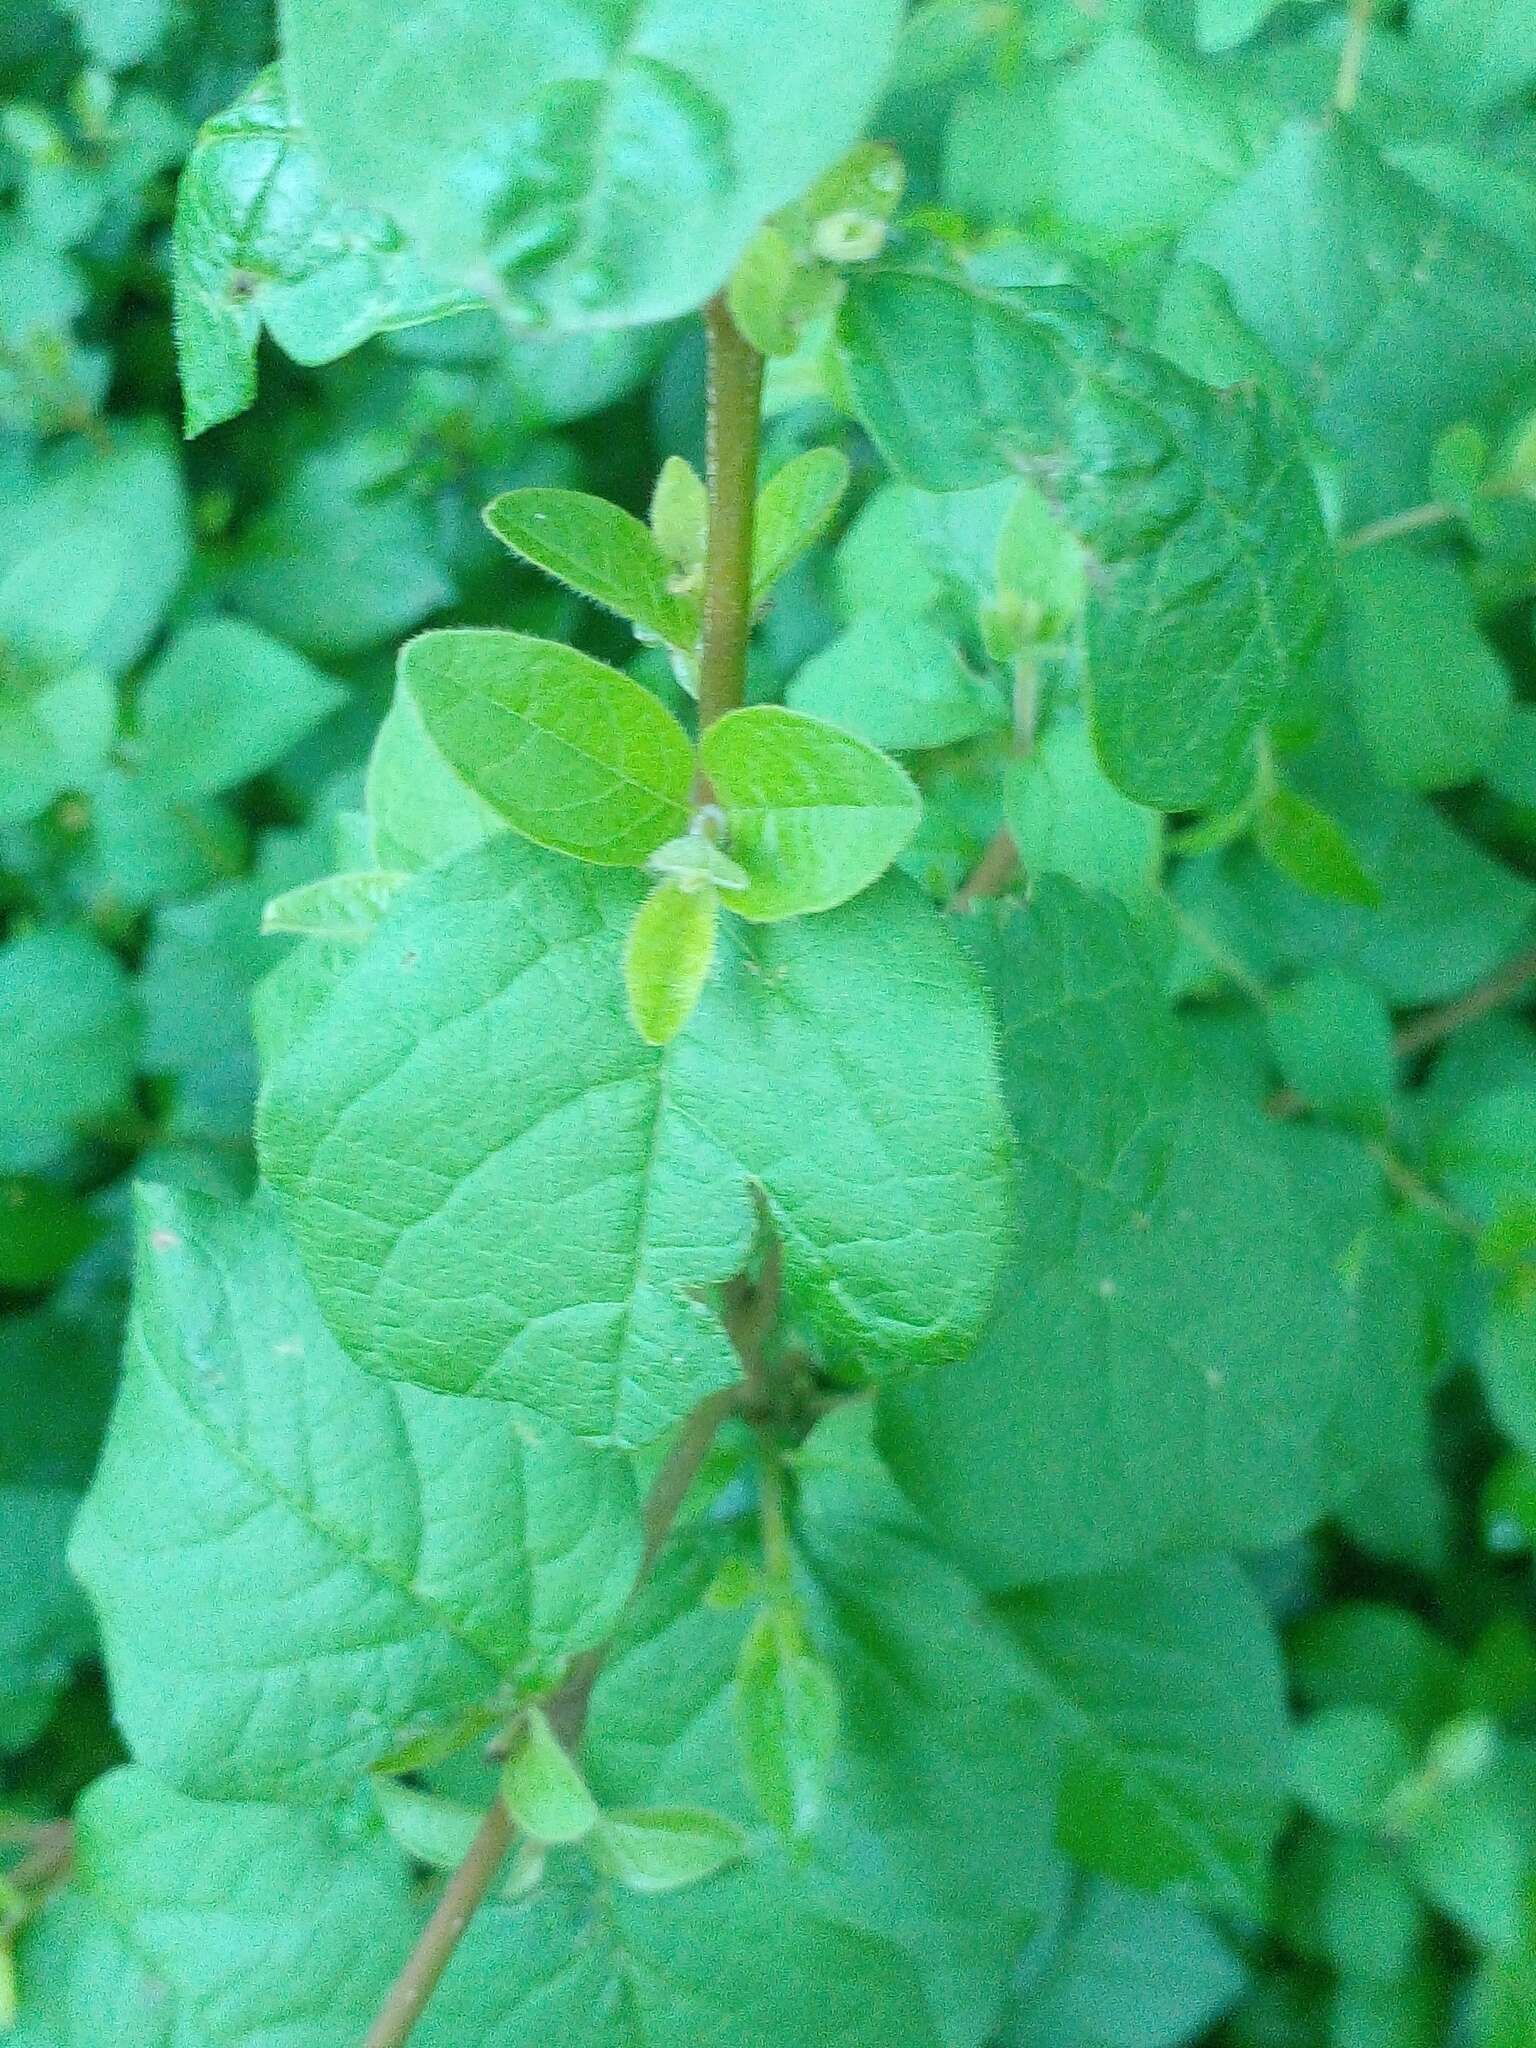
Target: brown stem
<point>992,874</point>
<point>1352,58</point>
<point>735,405</point>
<point>413,1988</point>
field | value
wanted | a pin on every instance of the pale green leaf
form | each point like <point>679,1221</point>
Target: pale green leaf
<point>571,753</point>
<point>662,1849</point>
<point>430,1830</point>
<point>1068,818</point>
<point>499,1188</point>
<point>813,814</point>
<point>787,1718</point>
<point>667,958</point>
<point>899,683</point>
<point>341,910</point>
<point>545,1793</point>
<point>420,810</point>
<point>1430,695</point>
<point>794,509</point>
<point>583,170</point>
<point>1208,576</point>
<point>602,551</point>
<point>443,1548</point>
<point>679,515</point>
<point>224,702</point>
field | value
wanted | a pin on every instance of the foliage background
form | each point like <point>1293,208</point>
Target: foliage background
<point>1379,277</point>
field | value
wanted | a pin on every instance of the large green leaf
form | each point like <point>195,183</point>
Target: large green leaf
<point>1395,311</point>
<point>499,1188</point>
<point>933,1825</point>
<point>261,243</point>
<point>193,1926</point>
<point>814,815</point>
<point>221,704</point>
<point>735,1961</point>
<point>1210,577</point>
<point>573,754</point>
<point>1129,1399</point>
<point>590,167</point>
<point>1166,1689</point>
<point>300,1570</point>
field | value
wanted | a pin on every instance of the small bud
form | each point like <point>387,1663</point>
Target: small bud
<point>849,237</point>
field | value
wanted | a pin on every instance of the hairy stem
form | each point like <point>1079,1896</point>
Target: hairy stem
<point>735,404</point>
<point>413,1988</point>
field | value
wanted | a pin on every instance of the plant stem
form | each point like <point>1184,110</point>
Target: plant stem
<point>1346,88</point>
<point>992,873</point>
<point>413,1988</point>
<point>1421,518</point>
<point>735,404</point>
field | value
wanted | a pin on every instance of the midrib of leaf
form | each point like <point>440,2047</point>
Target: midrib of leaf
<point>264,1480</point>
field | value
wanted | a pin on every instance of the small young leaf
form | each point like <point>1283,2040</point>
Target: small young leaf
<point>341,909</point>
<point>898,683</point>
<point>545,1793</point>
<point>1068,818</point>
<point>680,516</point>
<point>1306,845</point>
<point>602,551</point>
<point>794,510</point>
<point>814,814</point>
<point>774,295</point>
<point>574,755</point>
<point>431,1830</point>
<point>787,1716</point>
<point>663,1848</point>
<point>667,958</point>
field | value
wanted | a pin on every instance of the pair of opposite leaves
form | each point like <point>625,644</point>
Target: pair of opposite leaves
<point>774,814</point>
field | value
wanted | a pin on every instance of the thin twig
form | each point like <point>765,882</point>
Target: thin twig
<point>1346,89</point>
<point>413,1988</point>
<point>1422,518</point>
<point>992,874</point>
<point>735,407</point>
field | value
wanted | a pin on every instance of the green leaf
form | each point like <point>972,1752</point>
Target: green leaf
<point>664,1848</point>
<point>602,551</point>
<point>900,684</point>
<point>1349,269</point>
<point>1312,850</point>
<point>420,810</point>
<point>69,1033</point>
<point>224,702</point>
<point>1347,1761</point>
<point>1481,48</point>
<point>787,1716</point>
<point>119,33</point>
<point>1430,696</point>
<point>443,1548</point>
<point>1208,577</point>
<point>573,755</point>
<point>813,815</point>
<point>794,509</point>
<point>743,1959</point>
<point>1167,1689</point>
<point>1332,1039</point>
<point>221,1924</point>
<point>1068,818</point>
<point>1226,23</point>
<point>581,172</point>
<point>545,1792</point>
<point>667,958</point>
<point>260,242</point>
<point>43,1230</point>
<point>341,910</point>
<point>1129,1971</point>
<point>680,516</point>
<point>554,1192</point>
<point>430,1830</point>
<point>1210,1418</point>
